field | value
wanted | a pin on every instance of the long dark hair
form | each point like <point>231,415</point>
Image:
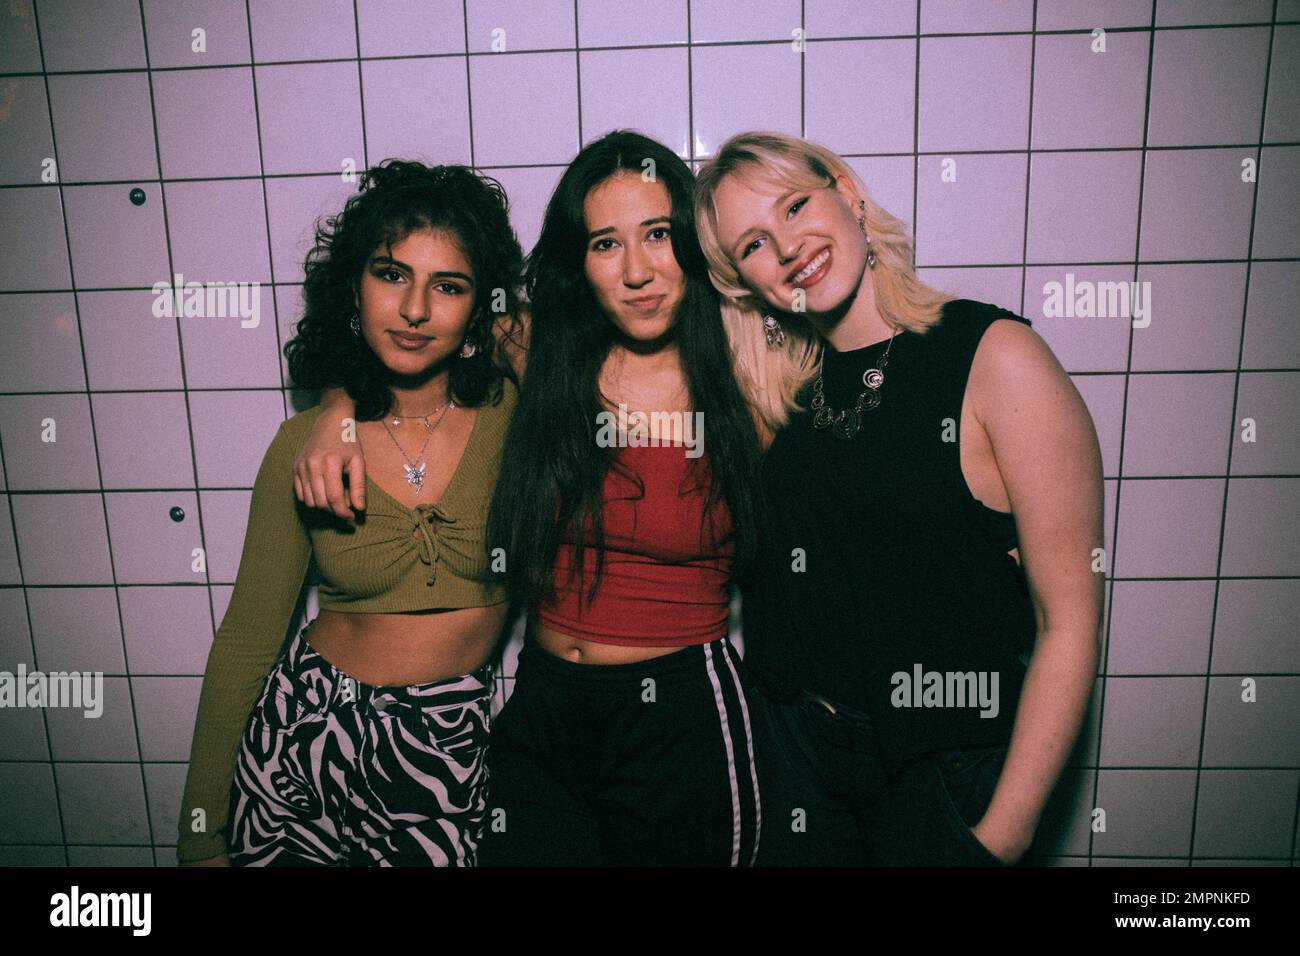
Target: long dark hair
<point>398,197</point>
<point>552,471</point>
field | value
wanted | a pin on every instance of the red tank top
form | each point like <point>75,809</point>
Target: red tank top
<point>665,576</point>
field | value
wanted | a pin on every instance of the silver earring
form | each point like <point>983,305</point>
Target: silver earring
<point>775,334</point>
<point>355,323</point>
<point>862,224</point>
<point>468,349</point>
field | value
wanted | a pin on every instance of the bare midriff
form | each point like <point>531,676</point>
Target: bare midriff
<point>583,651</point>
<point>410,648</point>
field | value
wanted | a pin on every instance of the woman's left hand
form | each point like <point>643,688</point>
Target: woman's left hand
<point>1006,847</point>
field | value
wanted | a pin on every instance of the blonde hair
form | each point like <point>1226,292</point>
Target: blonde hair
<point>771,379</point>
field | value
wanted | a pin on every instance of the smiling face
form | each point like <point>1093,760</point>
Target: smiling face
<point>416,301</point>
<point>630,262</point>
<point>783,239</point>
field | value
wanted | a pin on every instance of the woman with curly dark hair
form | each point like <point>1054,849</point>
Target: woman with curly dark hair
<point>365,742</point>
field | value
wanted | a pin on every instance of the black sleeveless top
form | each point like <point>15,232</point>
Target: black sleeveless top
<point>877,560</point>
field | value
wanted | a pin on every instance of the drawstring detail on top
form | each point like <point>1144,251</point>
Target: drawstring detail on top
<point>429,515</point>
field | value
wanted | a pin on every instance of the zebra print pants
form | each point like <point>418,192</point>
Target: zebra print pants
<point>334,772</point>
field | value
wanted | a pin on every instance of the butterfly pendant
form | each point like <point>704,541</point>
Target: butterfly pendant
<point>415,476</point>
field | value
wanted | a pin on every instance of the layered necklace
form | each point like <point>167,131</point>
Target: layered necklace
<point>414,471</point>
<point>845,424</point>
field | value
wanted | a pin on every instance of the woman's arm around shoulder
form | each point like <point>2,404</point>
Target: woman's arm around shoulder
<point>332,451</point>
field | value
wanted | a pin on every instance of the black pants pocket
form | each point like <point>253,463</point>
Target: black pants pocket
<point>922,822</point>
<point>967,779</point>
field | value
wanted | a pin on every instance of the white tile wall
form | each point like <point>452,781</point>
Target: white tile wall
<point>1135,172</point>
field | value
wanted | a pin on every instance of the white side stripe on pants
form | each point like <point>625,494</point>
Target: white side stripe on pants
<point>731,753</point>
<point>749,743</point>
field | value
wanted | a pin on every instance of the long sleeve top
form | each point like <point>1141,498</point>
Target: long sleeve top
<point>392,559</point>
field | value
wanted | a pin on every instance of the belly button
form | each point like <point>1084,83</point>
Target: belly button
<point>576,653</point>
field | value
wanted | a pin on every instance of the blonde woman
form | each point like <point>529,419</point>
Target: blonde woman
<point>934,499</point>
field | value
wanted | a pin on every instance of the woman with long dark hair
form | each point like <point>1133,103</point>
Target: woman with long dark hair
<point>365,743</point>
<point>620,519</point>
<point>627,738</point>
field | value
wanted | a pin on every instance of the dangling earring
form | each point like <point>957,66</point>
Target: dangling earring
<point>775,334</point>
<point>467,350</point>
<point>355,323</point>
<point>862,224</point>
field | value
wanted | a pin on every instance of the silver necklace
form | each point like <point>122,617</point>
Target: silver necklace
<point>398,419</point>
<point>414,472</point>
<point>847,422</point>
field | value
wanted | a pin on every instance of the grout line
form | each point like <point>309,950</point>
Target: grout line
<point>1295,830</point>
<point>179,584</point>
<point>361,89</point>
<point>927,266</point>
<point>1109,589</point>
<point>469,82</point>
<point>690,90</point>
<point>916,136</point>
<point>31,644</point>
<point>864,154</point>
<point>180,346</point>
<point>1077,31</point>
<point>803,69</point>
<point>1029,165</point>
<point>290,389</point>
<point>143,490</point>
<point>1232,436</point>
<point>1126,768</point>
<point>577,66</point>
<point>67,238</point>
<point>170,389</point>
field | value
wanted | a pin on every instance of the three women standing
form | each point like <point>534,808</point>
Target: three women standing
<point>930,523</point>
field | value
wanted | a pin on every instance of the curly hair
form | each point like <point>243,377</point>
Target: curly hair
<point>398,197</point>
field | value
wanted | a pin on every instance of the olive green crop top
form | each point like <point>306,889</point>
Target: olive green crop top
<point>393,559</point>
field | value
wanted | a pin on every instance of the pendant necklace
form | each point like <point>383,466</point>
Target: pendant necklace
<point>414,472</point>
<point>845,424</point>
<point>398,419</point>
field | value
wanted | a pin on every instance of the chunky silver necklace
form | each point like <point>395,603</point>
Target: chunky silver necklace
<point>414,472</point>
<point>845,424</point>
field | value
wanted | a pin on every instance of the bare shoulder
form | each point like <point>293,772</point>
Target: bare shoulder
<point>1026,403</point>
<point>1010,345</point>
<point>1013,363</point>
